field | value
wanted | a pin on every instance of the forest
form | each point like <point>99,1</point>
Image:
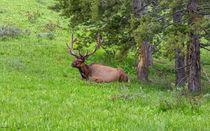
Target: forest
<point>104,65</point>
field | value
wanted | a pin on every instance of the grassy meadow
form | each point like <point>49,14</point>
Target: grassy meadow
<point>39,90</point>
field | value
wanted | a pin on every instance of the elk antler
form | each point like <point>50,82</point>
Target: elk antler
<point>81,56</point>
<point>71,49</point>
<point>100,42</point>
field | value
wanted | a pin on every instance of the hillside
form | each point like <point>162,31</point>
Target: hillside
<point>39,90</point>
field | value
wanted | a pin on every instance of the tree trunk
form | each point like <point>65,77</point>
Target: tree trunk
<point>145,52</point>
<point>194,73</point>
<point>180,59</point>
<point>145,60</point>
<point>180,69</point>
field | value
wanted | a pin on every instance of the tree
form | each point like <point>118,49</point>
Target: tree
<point>193,49</point>
<point>110,18</point>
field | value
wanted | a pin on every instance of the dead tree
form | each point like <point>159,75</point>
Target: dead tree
<point>145,60</point>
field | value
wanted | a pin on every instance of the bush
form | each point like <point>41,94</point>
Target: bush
<point>49,35</point>
<point>181,99</point>
<point>12,31</point>
<point>33,16</point>
<point>55,7</point>
<point>41,1</point>
<point>3,11</point>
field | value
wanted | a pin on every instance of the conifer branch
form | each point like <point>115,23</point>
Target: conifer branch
<point>98,24</point>
<point>205,48</point>
<point>204,44</point>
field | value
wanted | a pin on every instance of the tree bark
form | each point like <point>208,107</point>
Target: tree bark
<point>145,52</point>
<point>194,73</point>
<point>180,59</point>
<point>145,60</point>
<point>137,5</point>
<point>180,69</point>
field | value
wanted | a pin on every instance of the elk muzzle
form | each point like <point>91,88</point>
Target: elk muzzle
<point>72,65</point>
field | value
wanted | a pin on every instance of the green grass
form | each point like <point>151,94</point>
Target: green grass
<point>38,92</point>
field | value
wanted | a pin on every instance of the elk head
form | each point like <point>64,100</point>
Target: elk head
<point>80,59</point>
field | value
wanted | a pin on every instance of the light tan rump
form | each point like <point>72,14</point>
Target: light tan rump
<point>101,73</point>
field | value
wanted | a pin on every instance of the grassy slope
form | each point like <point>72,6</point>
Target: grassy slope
<point>39,92</point>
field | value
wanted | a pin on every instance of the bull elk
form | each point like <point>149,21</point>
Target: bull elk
<point>98,73</point>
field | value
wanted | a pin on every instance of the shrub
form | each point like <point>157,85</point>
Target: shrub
<point>3,11</point>
<point>12,31</point>
<point>49,35</point>
<point>55,7</point>
<point>181,99</point>
<point>50,26</point>
<point>33,16</point>
<point>41,1</point>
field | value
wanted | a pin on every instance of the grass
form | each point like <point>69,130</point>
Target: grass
<point>40,91</point>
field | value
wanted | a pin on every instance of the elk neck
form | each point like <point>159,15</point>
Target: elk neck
<point>85,71</point>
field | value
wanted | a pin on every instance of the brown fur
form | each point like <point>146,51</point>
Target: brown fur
<point>99,73</point>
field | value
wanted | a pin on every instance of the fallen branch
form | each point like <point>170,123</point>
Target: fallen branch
<point>181,80</point>
<point>206,75</point>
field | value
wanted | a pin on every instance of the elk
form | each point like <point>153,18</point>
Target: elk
<point>99,73</point>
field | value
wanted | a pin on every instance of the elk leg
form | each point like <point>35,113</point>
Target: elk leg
<point>98,80</point>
